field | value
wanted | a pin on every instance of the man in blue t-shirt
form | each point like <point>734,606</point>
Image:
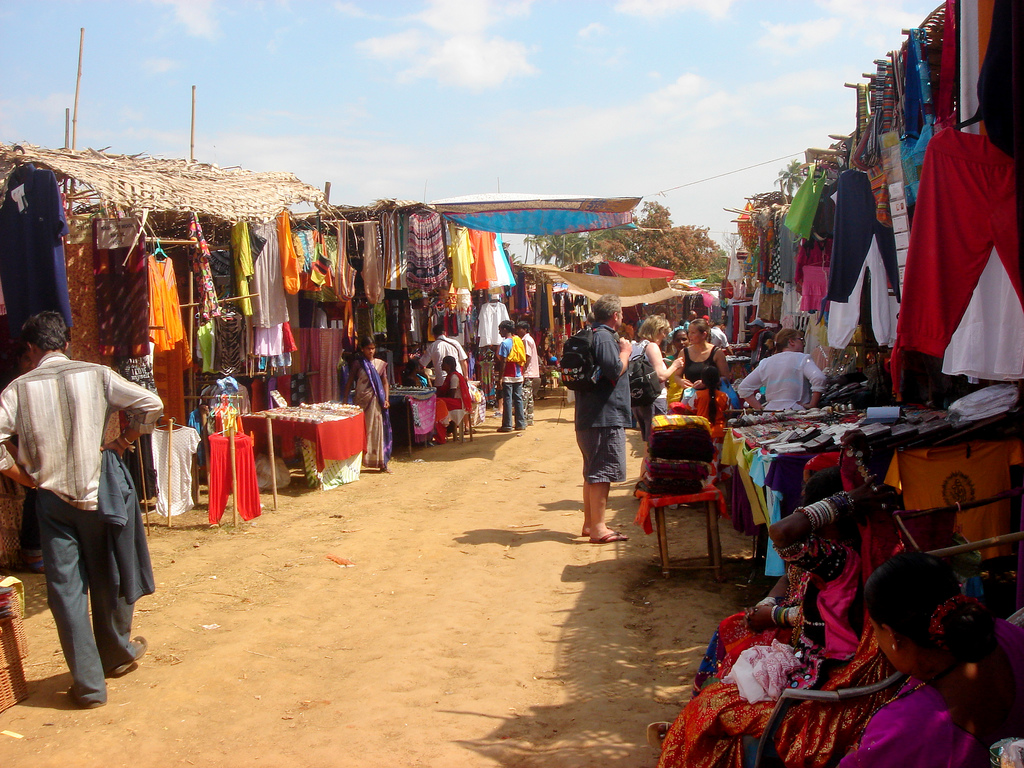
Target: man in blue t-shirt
<point>510,373</point>
<point>602,415</point>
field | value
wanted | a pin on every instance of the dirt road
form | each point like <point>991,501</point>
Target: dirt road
<point>475,628</point>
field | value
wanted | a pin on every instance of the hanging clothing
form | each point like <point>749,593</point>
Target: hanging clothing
<point>32,229</point>
<point>286,249</point>
<point>844,317</point>
<point>345,276</point>
<point>208,306</point>
<point>373,264</point>
<point>491,315</point>
<point>183,446</point>
<point>247,493</point>
<point>966,207</point>
<point>171,353</point>
<point>241,250</point>
<point>269,307</point>
<point>426,262</point>
<point>482,246</point>
<point>121,272</point>
<point>230,341</point>
<point>460,253</point>
<point>394,259</point>
<point>805,204</point>
<point>989,342</point>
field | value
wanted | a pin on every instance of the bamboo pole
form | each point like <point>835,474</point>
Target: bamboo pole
<point>273,460</point>
<point>78,85</point>
<point>67,128</point>
<point>192,137</point>
<point>142,477</point>
<point>169,484</point>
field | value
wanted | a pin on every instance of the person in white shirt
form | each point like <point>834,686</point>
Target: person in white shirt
<point>531,371</point>
<point>719,339</point>
<point>442,347</point>
<point>790,378</point>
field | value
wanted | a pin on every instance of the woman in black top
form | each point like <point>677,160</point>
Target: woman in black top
<point>701,353</point>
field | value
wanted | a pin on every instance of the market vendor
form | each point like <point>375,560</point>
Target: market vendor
<point>453,391</point>
<point>790,378</point>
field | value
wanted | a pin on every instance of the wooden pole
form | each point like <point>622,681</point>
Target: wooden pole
<point>327,192</point>
<point>142,478</point>
<point>169,485</point>
<point>273,460</point>
<point>78,85</point>
<point>192,138</point>
<point>234,476</point>
<point>67,128</point>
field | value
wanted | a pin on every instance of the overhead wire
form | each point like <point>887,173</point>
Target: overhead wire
<point>727,173</point>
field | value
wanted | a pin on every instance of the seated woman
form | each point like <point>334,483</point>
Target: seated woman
<point>966,686</point>
<point>816,609</point>
<point>790,378</point>
<point>413,376</point>
<point>454,392</point>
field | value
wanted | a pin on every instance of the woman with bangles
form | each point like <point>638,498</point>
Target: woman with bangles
<point>817,610</point>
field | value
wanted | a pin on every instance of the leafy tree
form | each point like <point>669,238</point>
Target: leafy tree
<point>791,177</point>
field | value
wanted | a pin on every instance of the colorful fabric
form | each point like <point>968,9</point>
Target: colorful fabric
<point>289,259</point>
<point>369,395</point>
<point>120,273</point>
<point>426,260</point>
<point>649,500</point>
<point>333,474</point>
<point>241,250</point>
<point>247,494</point>
<point>674,421</point>
<point>208,306</point>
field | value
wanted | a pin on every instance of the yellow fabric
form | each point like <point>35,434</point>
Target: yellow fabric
<point>732,445</point>
<point>461,257</point>
<point>241,248</point>
<point>289,261</point>
<point>674,421</point>
<point>943,476</point>
<point>518,352</point>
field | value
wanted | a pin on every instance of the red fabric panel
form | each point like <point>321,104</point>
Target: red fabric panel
<point>247,492</point>
<point>618,269</point>
<point>334,440</point>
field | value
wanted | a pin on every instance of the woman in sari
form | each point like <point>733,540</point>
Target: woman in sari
<point>966,686</point>
<point>817,611</point>
<point>368,376</point>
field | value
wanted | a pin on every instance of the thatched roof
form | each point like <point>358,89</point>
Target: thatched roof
<point>139,182</point>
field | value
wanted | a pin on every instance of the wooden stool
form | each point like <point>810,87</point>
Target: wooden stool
<point>714,504</point>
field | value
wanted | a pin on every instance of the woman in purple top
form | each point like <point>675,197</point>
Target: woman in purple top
<point>966,685</point>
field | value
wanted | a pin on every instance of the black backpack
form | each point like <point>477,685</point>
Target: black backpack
<point>577,366</point>
<point>644,386</point>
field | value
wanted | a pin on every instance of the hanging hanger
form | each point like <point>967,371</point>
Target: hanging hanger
<point>158,251</point>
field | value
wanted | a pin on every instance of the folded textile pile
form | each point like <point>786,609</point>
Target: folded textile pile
<point>681,452</point>
<point>7,598</point>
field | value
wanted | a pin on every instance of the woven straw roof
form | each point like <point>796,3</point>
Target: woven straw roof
<point>139,182</point>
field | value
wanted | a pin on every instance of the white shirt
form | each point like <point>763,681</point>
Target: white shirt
<point>718,338</point>
<point>532,368</point>
<point>442,347</point>
<point>784,377</point>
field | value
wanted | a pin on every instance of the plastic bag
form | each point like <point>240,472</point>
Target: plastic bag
<point>284,477</point>
<point>990,401</point>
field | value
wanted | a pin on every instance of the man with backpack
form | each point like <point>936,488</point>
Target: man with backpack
<point>509,363</point>
<point>602,415</point>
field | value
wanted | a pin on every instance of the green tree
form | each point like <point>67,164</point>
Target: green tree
<point>561,250</point>
<point>791,177</point>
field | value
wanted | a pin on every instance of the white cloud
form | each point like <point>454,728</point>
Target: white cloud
<point>195,15</point>
<point>455,48</point>
<point>674,96</point>
<point>794,39</point>
<point>593,30</point>
<point>351,10</point>
<point>656,8</point>
<point>159,66</point>
<point>474,62</point>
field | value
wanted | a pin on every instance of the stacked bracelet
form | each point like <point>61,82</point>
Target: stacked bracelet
<point>790,551</point>
<point>842,501</point>
<point>820,513</point>
<point>784,617</point>
<point>773,601</point>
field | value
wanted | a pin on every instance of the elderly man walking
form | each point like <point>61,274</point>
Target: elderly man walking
<point>602,415</point>
<point>59,412</point>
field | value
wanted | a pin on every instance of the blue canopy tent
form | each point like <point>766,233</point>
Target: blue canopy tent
<point>536,214</point>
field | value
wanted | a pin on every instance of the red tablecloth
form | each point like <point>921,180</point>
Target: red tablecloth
<point>334,440</point>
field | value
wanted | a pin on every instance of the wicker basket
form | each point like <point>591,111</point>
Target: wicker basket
<point>13,648</point>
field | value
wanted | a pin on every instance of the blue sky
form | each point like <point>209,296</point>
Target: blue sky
<point>437,98</point>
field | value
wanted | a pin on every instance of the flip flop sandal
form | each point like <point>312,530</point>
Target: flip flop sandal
<point>610,538</point>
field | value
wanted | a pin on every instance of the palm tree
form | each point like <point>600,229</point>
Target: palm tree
<point>791,177</point>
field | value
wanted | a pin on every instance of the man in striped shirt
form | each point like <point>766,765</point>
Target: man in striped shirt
<point>59,412</point>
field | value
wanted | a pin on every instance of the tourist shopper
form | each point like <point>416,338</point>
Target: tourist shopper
<point>59,412</point>
<point>531,371</point>
<point>790,378</point>
<point>602,415</point>
<point>367,375</point>
<point>700,352</point>
<point>653,331</point>
<point>509,363</point>
<point>441,347</point>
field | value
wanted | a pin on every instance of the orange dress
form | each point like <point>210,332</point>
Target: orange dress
<point>171,352</point>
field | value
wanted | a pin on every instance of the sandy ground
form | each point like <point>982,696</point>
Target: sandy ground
<point>475,628</point>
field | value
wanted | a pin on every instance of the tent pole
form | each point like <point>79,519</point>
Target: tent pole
<point>78,85</point>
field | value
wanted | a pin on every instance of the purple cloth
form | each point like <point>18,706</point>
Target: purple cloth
<point>742,514</point>
<point>786,476</point>
<point>895,735</point>
<point>378,391</point>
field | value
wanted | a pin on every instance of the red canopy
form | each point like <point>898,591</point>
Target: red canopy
<point>618,269</point>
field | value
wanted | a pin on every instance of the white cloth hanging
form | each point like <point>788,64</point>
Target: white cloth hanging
<point>989,342</point>
<point>183,447</point>
<point>491,315</point>
<point>844,317</point>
